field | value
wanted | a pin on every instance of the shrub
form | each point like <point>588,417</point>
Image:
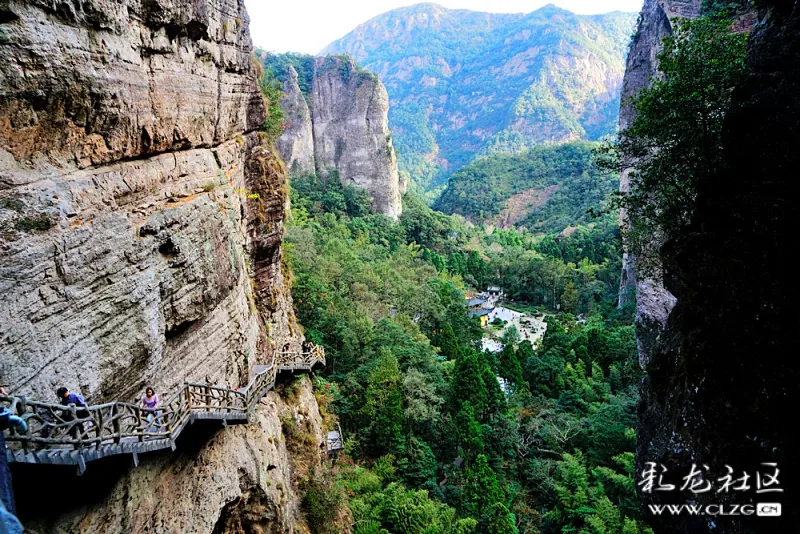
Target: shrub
<point>11,204</point>
<point>39,223</point>
<point>322,503</point>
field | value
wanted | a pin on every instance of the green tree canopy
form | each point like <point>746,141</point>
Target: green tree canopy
<point>675,139</point>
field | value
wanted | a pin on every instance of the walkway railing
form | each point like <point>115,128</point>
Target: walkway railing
<point>73,435</point>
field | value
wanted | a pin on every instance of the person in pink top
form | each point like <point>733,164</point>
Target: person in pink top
<point>149,404</point>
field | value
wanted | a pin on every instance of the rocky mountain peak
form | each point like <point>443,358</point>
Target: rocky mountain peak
<point>342,126</point>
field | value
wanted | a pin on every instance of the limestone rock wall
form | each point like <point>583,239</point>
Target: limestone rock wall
<point>296,145</point>
<point>141,216</point>
<point>93,82</point>
<point>348,118</point>
<point>143,279</point>
<point>654,302</point>
<point>350,111</point>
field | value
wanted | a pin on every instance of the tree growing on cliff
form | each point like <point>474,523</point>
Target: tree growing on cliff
<point>271,90</point>
<point>675,139</point>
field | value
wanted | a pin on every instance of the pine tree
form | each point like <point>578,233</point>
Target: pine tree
<point>384,408</point>
<point>481,490</point>
<point>448,342</point>
<point>419,465</point>
<point>468,382</point>
<point>509,366</point>
<point>470,431</point>
<point>501,520</point>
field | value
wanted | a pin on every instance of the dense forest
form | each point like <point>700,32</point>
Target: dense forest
<point>433,443</point>
<point>630,373</point>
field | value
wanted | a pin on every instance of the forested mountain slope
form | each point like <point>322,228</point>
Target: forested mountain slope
<point>463,83</point>
<point>546,189</point>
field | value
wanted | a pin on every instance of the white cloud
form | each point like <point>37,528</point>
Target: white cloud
<point>309,25</point>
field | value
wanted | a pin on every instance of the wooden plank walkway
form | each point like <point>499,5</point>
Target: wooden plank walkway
<point>66,435</point>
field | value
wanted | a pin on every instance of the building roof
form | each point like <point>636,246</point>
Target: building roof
<point>480,313</point>
<point>475,302</point>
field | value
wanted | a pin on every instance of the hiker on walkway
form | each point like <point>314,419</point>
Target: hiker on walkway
<point>150,405</point>
<point>286,347</point>
<point>3,380</point>
<point>67,398</point>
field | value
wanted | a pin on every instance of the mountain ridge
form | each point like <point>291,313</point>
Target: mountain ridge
<point>463,83</point>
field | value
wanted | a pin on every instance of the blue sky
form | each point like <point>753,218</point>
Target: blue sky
<point>309,25</point>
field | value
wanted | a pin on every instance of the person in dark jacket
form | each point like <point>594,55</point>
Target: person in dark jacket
<point>67,398</point>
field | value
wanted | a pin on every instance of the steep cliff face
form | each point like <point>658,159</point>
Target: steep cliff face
<point>348,123</point>
<point>141,216</point>
<point>722,385</point>
<point>93,83</point>
<point>350,111</point>
<point>296,145</point>
<point>653,301</point>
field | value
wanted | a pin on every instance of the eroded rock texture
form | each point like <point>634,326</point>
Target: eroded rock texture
<point>346,119</point>
<point>143,277</point>
<point>141,216</point>
<point>722,387</point>
<point>92,82</point>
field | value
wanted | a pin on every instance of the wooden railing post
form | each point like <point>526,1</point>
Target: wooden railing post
<point>99,429</point>
<point>77,427</point>
<point>188,397</point>
<point>167,423</point>
<point>208,398</point>
<point>115,423</point>
<point>139,426</point>
<point>21,408</point>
